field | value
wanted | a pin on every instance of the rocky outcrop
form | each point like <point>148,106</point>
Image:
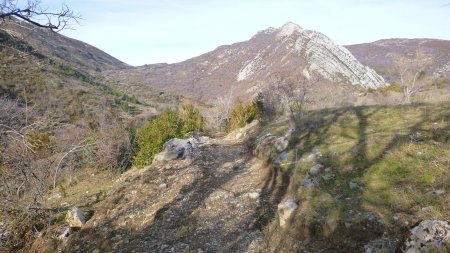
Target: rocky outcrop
<point>428,236</point>
<point>176,149</point>
<point>330,60</point>
<point>75,217</point>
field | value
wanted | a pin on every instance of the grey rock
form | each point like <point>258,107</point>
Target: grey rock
<point>75,217</point>
<point>437,192</point>
<point>316,169</point>
<point>286,210</point>
<point>64,233</point>
<point>428,236</point>
<point>162,185</point>
<point>352,185</point>
<point>281,158</point>
<point>281,144</point>
<point>309,182</point>
<point>328,176</point>
<point>176,149</point>
<point>314,156</point>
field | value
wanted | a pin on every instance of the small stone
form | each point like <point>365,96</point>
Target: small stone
<point>328,177</point>
<point>162,186</point>
<point>164,246</point>
<point>75,217</point>
<point>438,192</point>
<point>315,169</point>
<point>281,158</point>
<point>199,250</point>
<point>352,185</point>
<point>329,169</point>
<point>309,182</point>
<point>281,144</point>
<point>64,233</point>
<point>253,195</point>
<point>312,158</point>
<point>56,196</point>
<point>286,211</point>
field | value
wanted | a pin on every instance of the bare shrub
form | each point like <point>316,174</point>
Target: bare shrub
<point>412,73</point>
<point>219,114</point>
<point>287,96</point>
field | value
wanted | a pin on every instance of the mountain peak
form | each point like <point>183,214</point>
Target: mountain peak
<point>288,29</point>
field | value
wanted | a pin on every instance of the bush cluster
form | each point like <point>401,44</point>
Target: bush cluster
<point>169,124</point>
<point>243,114</point>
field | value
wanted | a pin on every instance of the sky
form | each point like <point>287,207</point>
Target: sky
<point>153,31</point>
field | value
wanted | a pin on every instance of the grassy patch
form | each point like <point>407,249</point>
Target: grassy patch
<point>397,155</point>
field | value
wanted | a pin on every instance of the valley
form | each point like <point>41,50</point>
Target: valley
<point>286,142</point>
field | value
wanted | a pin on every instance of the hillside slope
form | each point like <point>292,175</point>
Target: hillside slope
<point>382,170</point>
<point>244,68</point>
<point>77,54</point>
<point>379,54</point>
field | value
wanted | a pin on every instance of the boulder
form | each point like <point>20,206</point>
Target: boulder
<point>428,236</point>
<point>286,210</point>
<point>175,149</point>
<point>75,217</point>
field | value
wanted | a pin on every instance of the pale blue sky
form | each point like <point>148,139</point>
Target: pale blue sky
<point>142,32</point>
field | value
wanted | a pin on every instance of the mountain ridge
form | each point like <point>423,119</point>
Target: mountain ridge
<point>244,67</point>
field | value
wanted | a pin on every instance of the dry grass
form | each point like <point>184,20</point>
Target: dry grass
<point>398,155</point>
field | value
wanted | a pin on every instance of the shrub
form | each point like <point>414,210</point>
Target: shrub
<point>244,114</point>
<point>151,137</point>
<point>192,119</point>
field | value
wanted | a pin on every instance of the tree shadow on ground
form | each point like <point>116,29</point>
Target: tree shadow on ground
<point>339,236</point>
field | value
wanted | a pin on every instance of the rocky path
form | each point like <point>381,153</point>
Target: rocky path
<point>216,202</point>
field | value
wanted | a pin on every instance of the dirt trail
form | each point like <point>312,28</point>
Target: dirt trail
<point>216,202</point>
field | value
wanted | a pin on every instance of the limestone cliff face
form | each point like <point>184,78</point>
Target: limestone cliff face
<point>244,68</point>
<point>319,55</point>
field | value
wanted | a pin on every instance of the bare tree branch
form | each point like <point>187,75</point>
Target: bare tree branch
<point>34,14</point>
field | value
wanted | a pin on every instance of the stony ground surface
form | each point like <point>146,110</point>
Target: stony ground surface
<point>211,203</point>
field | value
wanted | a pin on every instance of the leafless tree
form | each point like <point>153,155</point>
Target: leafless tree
<point>32,12</point>
<point>220,113</point>
<point>412,72</point>
<point>287,96</point>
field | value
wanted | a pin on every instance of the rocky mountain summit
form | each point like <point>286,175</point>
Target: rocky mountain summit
<point>247,67</point>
